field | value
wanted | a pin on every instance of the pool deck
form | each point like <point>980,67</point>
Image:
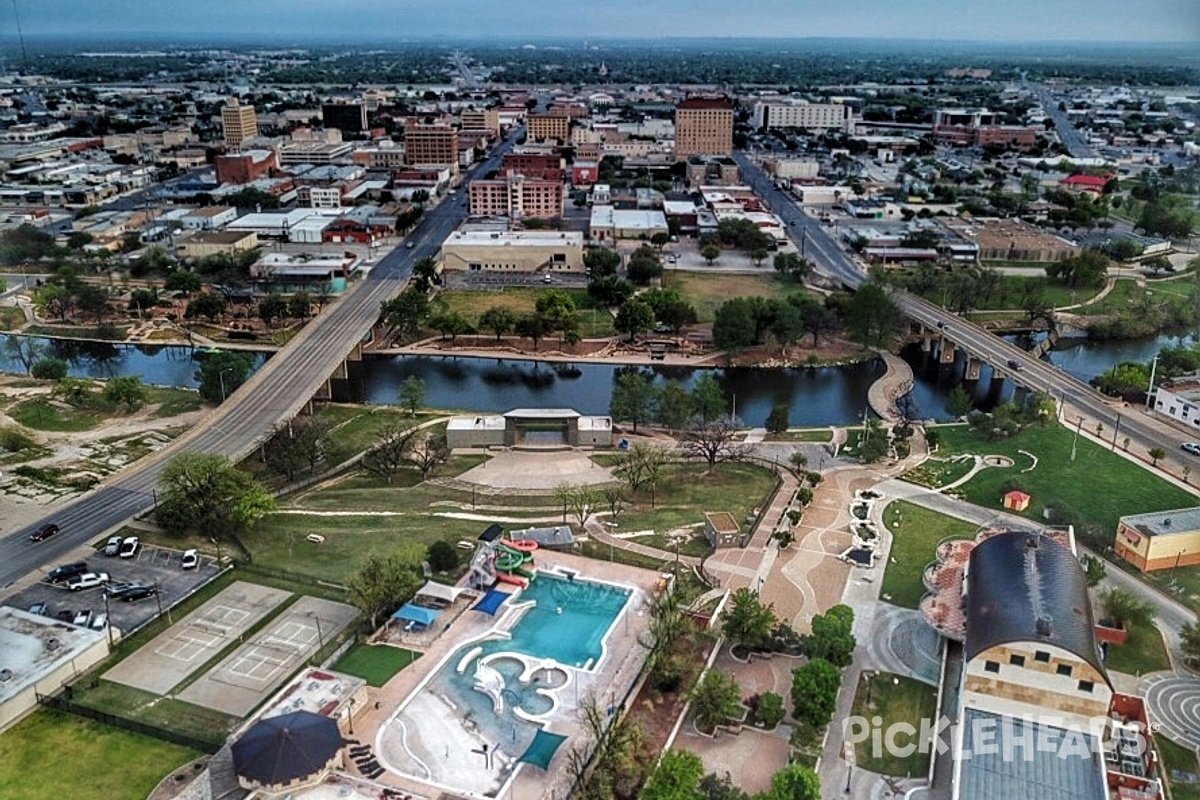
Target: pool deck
<point>442,731</point>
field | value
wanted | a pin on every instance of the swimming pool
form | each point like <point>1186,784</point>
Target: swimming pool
<point>569,622</point>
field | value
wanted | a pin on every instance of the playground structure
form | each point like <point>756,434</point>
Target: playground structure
<point>504,560</point>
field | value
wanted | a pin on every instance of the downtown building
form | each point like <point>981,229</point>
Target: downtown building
<point>703,127</point>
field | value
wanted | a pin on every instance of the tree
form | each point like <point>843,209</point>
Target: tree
<point>792,266</point>
<point>498,319</point>
<point>708,399</point>
<point>633,317</point>
<point>958,402</point>
<point>715,700</point>
<point>734,326</point>
<point>558,311</point>
<point>712,442</point>
<point>126,390</point>
<point>873,444</point>
<point>383,584</point>
<point>814,692</point>
<point>777,420</point>
<point>220,374</point>
<point>442,556</point>
<point>831,638</point>
<point>1156,453</point>
<point>1124,609</point>
<point>533,327</point>
<point>660,240</point>
<point>677,777</point>
<point>23,350</point>
<point>643,267</point>
<point>298,443</point>
<point>429,454</point>
<point>412,394</point>
<point>452,324</point>
<point>424,275</point>
<point>632,397</point>
<point>872,316</point>
<point>710,253</point>
<point>75,391</point>
<point>1189,636</point>
<point>49,368</point>
<point>610,290</point>
<point>92,299</point>
<point>272,307</point>
<point>747,621</point>
<point>1094,569</point>
<point>389,453</point>
<point>759,255</point>
<point>1087,270</point>
<point>1159,264</point>
<point>300,305</point>
<point>795,782</point>
<point>721,787</point>
<point>405,313</point>
<point>204,493</point>
<point>601,261</point>
<point>208,305</point>
<point>179,280</point>
<point>643,466</point>
<point>672,405</point>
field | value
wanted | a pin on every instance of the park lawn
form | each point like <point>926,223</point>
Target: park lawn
<point>39,415</point>
<point>172,402</point>
<point>708,290</point>
<point>936,473</point>
<point>1144,651</point>
<point>50,755</point>
<point>521,300</point>
<point>1098,486</point>
<point>1011,292</point>
<point>161,712</point>
<point>914,539</point>
<point>1178,758</point>
<point>821,435</point>
<point>11,318</point>
<point>356,428</point>
<point>682,499</point>
<point>376,664</point>
<point>895,699</point>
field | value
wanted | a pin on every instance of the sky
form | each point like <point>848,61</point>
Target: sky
<point>980,20</point>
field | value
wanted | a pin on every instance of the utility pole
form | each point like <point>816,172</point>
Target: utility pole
<point>1150,389</point>
<point>1075,441</point>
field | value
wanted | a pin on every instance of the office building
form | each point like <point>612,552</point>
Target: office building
<point>344,116</point>
<point>516,251</point>
<point>1160,539</point>
<point>430,144</point>
<point>799,114</point>
<point>703,127</point>
<point>549,128</point>
<point>517,197</point>
<point>238,123</point>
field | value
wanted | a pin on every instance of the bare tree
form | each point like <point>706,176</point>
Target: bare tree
<point>429,453</point>
<point>644,466</point>
<point>712,442</point>
<point>390,453</point>
<point>614,497</point>
<point>23,349</point>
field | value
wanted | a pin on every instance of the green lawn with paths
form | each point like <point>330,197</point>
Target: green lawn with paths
<point>894,699</point>
<point>50,755</point>
<point>376,664</point>
<point>916,532</point>
<point>1178,758</point>
<point>1098,486</point>
<point>1144,651</point>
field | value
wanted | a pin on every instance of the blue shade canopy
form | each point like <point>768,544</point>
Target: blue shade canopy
<point>542,749</point>
<point>420,614</point>
<point>491,602</point>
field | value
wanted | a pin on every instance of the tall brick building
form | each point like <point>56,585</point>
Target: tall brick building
<point>517,197</point>
<point>431,144</point>
<point>703,127</point>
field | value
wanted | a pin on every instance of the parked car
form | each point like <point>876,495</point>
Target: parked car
<point>44,532</point>
<point>138,593</point>
<point>64,572</point>
<point>112,546</point>
<point>130,547</point>
<point>88,580</point>
<point>115,588</point>
<point>1191,447</point>
<point>99,622</point>
<point>66,615</point>
<point>83,618</point>
<point>191,559</point>
<point>39,609</point>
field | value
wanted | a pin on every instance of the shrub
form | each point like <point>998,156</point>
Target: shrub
<point>442,556</point>
<point>50,368</point>
<point>14,439</point>
<point>768,711</point>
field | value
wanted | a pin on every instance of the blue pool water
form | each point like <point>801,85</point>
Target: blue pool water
<point>567,624</point>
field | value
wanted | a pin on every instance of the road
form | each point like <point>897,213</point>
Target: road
<point>1068,134</point>
<point>276,393</point>
<point>814,243</point>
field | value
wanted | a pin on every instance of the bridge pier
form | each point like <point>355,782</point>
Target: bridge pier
<point>974,367</point>
<point>926,340</point>
<point>946,351</point>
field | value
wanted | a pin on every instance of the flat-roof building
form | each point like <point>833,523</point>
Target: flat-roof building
<point>802,114</point>
<point>517,197</point>
<point>1160,539</point>
<point>431,144</point>
<point>238,123</point>
<point>609,224</point>
<point>530,427</point>
<point>516,251</point>
<point>703,127</point>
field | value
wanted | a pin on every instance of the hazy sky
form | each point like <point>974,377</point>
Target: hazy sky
<point>1015,20</point>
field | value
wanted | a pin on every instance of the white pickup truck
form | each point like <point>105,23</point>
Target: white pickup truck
<point>87,580</point>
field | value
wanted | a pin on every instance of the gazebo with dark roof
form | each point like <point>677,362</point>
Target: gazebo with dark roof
<point>287,750</point>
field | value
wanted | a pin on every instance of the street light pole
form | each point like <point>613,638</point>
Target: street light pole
<point>1150,390</point>
<point>221,378</point>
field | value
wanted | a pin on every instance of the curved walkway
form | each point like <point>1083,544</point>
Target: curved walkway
<point>896,382</point>
<point>1174,703</point>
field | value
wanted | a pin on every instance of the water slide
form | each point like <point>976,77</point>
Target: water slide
<point>523,545</point>
<point>515,580</point>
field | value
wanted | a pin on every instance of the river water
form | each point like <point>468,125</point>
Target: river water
<point>815,396</point>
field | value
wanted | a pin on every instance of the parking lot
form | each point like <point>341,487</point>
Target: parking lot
<point>153,566</point>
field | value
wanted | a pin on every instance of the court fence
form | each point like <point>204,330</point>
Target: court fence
<point>61,703</point>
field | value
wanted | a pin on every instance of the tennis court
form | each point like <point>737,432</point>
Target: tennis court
<point>188,644</point>
<point>249,674</point>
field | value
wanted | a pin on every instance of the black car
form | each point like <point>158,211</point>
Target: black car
<point>137,593</point>
<point>44,532</point>
<point>64,572</point>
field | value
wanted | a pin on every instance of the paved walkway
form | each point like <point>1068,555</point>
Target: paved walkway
<point>896,382</point>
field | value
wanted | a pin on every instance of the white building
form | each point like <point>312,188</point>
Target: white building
<point>801,114</point>
<point>609,224</point>
<point>513,251</point>
<point>1178,399</point>
<point>208,218</point>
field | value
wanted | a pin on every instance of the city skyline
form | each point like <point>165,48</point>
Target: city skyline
<point>1001,21</point>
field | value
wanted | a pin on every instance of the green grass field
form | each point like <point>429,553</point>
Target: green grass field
<point>913,542</point>
<point>1144,651</point>
<point>376,664</point>
<point>1098,486</point>
<point>706,290</point>
<point>894,699</point>
<point>152,709</point>
<point>593,322</point>
<point>50,755</point>
<point>1178,758</point>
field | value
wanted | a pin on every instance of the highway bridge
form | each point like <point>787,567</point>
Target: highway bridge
<point>277,392</point>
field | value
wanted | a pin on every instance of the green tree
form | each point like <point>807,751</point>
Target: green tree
<point>452,324</point>
<point>672,406</point>
<point>759,255</point>
<point>442,556</point>
<point>204,493</point>
<point>382,584</point>
<point>601,261</point>
<point>633,317</point>
<point>1129,380</point>
<point>49,368</point>
<point>558,310</point>
<point>1189,636</point>
<point>748,621</point>
<point>721,787</point>
<point>610,290</point>
<point>710,253</point>
<point>708,399</point>
<point>126,390</point>
<point>792,266</point>
<point>389,454</point>
<point>23,350</point>
<point>872,316</point>
<point>643,267</point>
<point>677,777</point>
<point>958,402</point>
<point>1125,609</point>
<point>404,314</point>
<point>220,374</point>
<point>1156,454</point>
<point>814,692</point>
<point>734,325</point>
<point>831,638</point>
<point>498,319</point>
<point>412,394</point>
<point>300,305</point>
<point>777,420</point>
<point>660,240</point>
<point>271,308</point>
<point>715,700</point>
<point>1088,270</point>
<point>534,327</point>
<point>75,391</point>
<point>179,280</point>
<point>1094,569</point>
<point>795,782</point>
<point>632,398</point>
<point>208,305</point>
